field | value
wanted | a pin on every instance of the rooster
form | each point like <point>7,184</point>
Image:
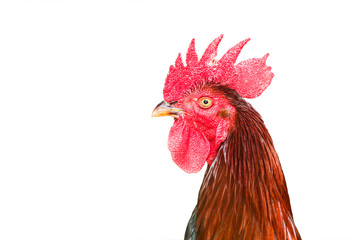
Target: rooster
<point>244,193</point>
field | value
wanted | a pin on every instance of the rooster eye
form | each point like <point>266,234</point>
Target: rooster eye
<point>205,102</point>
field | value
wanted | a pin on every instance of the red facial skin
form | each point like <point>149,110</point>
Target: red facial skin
<point>198,132</point>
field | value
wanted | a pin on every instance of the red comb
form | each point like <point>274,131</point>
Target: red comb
<point>249,78</point>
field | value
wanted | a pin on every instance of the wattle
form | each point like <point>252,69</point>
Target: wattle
<point>189,148</point>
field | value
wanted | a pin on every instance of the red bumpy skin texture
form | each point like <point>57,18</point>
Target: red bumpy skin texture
<point>249,78</point>
<point>195,137</point>
<point>197,134</point>
<point>188,147</point>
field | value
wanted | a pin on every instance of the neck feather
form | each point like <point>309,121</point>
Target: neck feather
<point>244,193</point>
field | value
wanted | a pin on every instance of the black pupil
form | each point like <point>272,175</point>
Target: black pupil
<point>205,101</point>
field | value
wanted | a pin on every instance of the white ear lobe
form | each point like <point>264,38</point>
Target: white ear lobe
<point>222,131</point>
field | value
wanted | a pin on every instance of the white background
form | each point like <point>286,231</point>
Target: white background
<point>83,159</point>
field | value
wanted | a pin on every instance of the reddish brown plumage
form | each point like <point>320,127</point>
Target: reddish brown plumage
<point>244,193</point>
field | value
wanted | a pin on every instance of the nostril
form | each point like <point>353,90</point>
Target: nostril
<point>173,102</point>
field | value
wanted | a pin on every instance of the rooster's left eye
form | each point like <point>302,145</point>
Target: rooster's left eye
<point>205,102</point>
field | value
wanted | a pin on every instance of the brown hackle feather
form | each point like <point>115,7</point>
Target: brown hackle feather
<point>244,193</point>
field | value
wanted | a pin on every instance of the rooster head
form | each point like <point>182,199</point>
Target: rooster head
<point>196,95</point>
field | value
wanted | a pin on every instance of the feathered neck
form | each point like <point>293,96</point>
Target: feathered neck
<point>244,193</point>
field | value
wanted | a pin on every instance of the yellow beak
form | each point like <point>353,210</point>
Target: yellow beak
<point>165,109</point>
